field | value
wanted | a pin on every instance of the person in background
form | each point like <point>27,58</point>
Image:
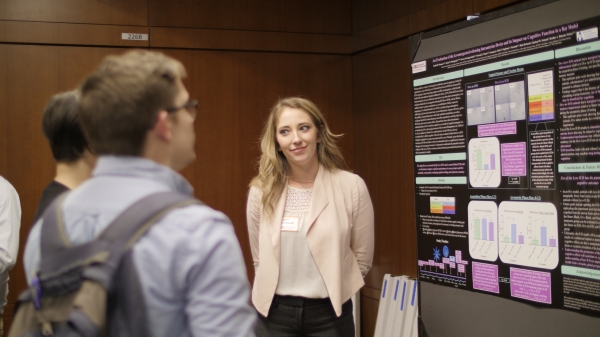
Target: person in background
<point>10,224</point>
<point>311,227</point>
<point>74,160</point>
<point>139,120</point>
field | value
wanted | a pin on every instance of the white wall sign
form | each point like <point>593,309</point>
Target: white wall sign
<point>134,37</point>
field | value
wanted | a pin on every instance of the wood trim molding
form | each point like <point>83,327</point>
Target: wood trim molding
<point>370,292</point>
<point>191,38</point>
<point>100,12</point>
<point>69,34</point>
<point>50,33</point>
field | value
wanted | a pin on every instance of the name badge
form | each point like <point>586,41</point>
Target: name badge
<point>290,224</point>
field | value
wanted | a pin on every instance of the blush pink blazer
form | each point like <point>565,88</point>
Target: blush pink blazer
<point>340,237</point>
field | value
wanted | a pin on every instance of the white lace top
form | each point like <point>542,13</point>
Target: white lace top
<point>298,275</point>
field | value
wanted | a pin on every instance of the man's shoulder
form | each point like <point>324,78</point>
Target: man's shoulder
<point>187,233</point>
<point>195,217</point>
<point>8,192</point>
<point>5,185</point>
<point>52,190</point>
<point>55,187</point>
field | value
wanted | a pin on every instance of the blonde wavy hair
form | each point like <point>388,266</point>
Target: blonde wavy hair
<point>274,169</point>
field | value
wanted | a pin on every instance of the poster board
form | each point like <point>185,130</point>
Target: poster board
<point>507,166</point>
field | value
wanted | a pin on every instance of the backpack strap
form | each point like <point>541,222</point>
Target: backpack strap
<point>130,226</point>
<point>53,232</point>
<point>109,247</point>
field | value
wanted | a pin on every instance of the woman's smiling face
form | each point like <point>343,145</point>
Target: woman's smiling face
<point>297,137</point>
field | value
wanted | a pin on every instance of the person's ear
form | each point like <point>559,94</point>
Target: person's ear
<point>162,126</point>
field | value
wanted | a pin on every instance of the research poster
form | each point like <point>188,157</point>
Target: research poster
<point>507,167</point>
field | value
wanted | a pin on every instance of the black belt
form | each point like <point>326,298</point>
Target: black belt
<point>299,302</point>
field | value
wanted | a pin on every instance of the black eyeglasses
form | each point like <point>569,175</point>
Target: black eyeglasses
<point>190,106</point>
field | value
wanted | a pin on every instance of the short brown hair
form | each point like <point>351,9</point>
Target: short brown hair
<point>60,124</point>
<point>121,99</point>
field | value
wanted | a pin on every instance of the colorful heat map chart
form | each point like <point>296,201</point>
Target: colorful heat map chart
<point>442,205</point>
<point>541,96</point>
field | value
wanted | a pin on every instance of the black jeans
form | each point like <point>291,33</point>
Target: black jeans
<point>291,316</point>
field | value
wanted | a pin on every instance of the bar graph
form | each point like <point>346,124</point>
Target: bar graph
<point>483,217</point>
<point>513,231</point>
<point>528,232</point>
<point>490,159</point>
<point>484,229</point>
<point>484,162</point>
<point>540,235</point>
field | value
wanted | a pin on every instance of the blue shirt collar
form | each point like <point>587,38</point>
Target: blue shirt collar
<point>138,167</point>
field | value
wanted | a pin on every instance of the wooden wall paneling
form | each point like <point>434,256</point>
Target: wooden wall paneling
<point>368,315</point>
<point>368,14</point>
<point>69,34</point>
<point>480,6</point>
<point>371,292</point>
<point>417,5</point>
<point>440,14</point>
<point>436,15</point>
<point>249,40</point>
<point>3,150</point>
<point>369,307</point>
<point>235,91</point>
<point>382,107</point>
<point>108,12</point>
<point>32,75</point>
<point>300,16</point>
<point>3,113</point>
<point>33,79</point>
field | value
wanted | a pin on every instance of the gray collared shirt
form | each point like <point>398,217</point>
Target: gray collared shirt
<point>190,263</point>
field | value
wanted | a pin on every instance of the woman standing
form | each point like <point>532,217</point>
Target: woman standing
<point>311,227</point>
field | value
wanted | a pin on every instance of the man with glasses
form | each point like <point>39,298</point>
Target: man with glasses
<point>138,119</point>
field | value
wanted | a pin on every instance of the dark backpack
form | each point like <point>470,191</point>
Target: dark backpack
<point>91,289</point>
